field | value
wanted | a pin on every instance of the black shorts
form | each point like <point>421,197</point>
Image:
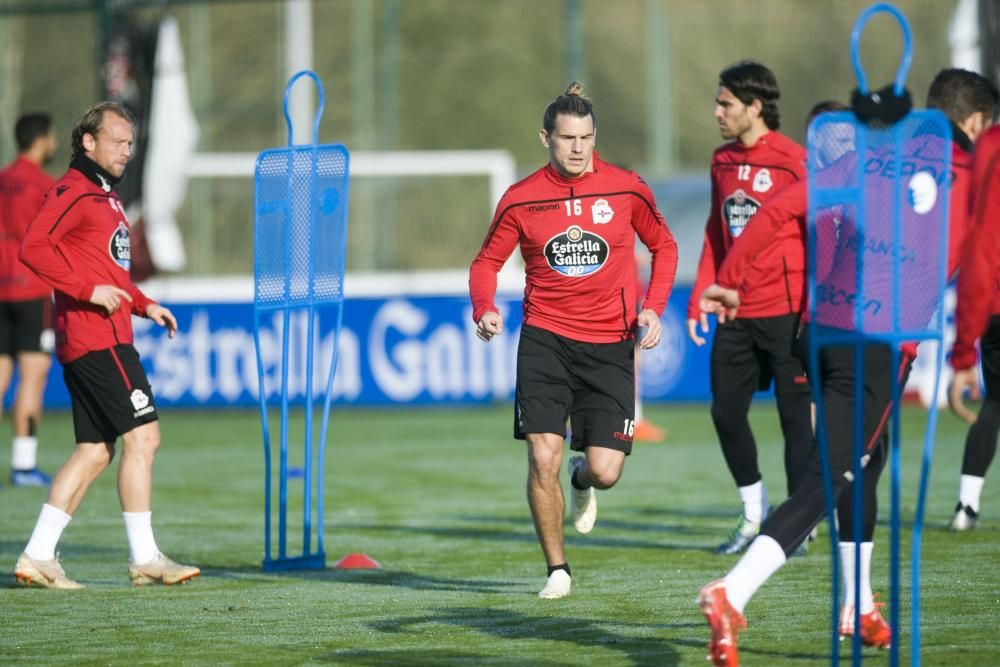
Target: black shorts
<point>26,326</point>
<point>110,394</point>
<point>748,353</point>
<point>591,384</point>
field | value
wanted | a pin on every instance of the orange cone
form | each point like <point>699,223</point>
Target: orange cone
<point>646,431</point>
<point>356,562</point>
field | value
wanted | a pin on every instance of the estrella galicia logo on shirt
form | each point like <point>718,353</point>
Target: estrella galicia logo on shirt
<point>120,247</point>
<point>737,210</point>
<point>576,252</point>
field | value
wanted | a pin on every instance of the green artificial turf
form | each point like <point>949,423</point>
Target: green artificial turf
<point>437,497</point>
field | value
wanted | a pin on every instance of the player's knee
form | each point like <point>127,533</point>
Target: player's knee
<point>604,476</point>
<point>144,441</point>
<point>543,461</point>
<point>96,455</point>
<point>605,467</point>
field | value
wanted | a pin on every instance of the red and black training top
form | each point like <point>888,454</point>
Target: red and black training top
<point>979,280</point>
<point>743,179</point>
<point>23,185</point>
<point>577,238</point>
<point>80,239</point>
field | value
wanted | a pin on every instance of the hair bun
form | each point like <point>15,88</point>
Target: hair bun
<point>574,89</point>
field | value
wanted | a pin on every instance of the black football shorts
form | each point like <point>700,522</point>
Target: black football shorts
<point>747,354</point>
<point>110,394</point>
<point>26,326</point>
<point>591,384</point>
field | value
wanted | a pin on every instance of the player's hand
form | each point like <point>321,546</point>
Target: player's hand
<point>722,301</point>
<point>693,329</point>
<point>490,325</point>
<point>649,321</point>
<point>109,297</point>
<point>163,317</point>
<point>965,381</point>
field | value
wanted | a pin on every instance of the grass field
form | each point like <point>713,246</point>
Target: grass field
<point>437,497</point>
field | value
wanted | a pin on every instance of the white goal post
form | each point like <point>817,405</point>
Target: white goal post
<point>496,165</point>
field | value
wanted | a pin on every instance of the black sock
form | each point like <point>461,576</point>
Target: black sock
<point>574,483</point>
<point>564,566</point>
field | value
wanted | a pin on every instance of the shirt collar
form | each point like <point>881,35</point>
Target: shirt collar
<point>95,172</point>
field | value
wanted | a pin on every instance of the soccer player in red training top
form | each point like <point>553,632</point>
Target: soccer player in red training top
<point>978,315</point>
<point>969,101</point>
<point>748,351</point>
<point>79,244</point>
<point>25,301</point>
<point>575,219</point>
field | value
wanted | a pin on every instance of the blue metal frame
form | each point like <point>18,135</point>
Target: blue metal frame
<point>859,338</point>
<point>295,297</point>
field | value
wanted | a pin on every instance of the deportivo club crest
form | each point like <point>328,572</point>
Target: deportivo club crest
<point>762,181</point>
<point>601,212</point>
<point>120,247</point>
<point>139,399</point>
<point>576,252</point>
<point>737,210</point>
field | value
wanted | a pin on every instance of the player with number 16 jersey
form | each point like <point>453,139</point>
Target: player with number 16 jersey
<point>576,220</point>
<point>577,238</point>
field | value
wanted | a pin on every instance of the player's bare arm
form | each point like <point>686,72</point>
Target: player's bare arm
<point>490,325</point>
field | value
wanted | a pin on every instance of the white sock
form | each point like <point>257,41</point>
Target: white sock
<point>867,603</point>
<point>23,452</point>
<point>847,563</point>
<point>847,571</point>
<point>754,501</point>
<point>763,558</point>
<point>969,488</point>
<point>638,409</point>
<point>139,530</point>
<point>48,529</point>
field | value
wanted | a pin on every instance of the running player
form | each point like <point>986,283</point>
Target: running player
<point>576,220</point>
<point>722,601</point>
